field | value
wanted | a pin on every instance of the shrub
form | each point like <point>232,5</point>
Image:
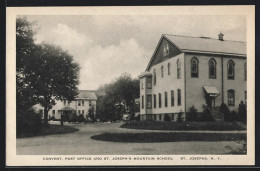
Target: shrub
<point>192,114</point>
<point>225,110</point>
<point>207,116</point>
<point>167,118</point>
<point>179,118</point>
<point>28,122</point>
<point>80,118</point>
<point>242,112</point>
<point>233,116</point>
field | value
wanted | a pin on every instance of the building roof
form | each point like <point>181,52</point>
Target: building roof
<point>205,44</point>
<point>87,94</point>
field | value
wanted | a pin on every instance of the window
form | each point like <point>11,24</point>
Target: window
<point>82,112</point>
<point>169,69</point>
<point>142,85</point>
<point>89,103</point>
<point>160,100</point>
<point>194,67</point>
<point>231,70</point>
<point>165,50</point>
<point>162,70</point>
<point>78,103</point>
<point>149,82</point>
<point>178,69</point>
<point>245,97</point>
<point>154,101</point>
<point>245,68</point>
<point>160,117</point>
<point>212,68</point>
<point>142,102</point>
<point>149,102</point>
<point>166,99</point>
<point>172,98</point>
<point>179,97</point>
<point>53,113</point>
<point>231,97</point>
<point>82,102</point>
<point>154,77</point>
<point>79,112</point>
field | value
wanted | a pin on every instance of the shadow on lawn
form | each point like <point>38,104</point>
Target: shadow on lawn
<point>168,137</point>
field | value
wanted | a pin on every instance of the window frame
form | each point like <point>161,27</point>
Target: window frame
<point>162,71</point>
<point>172,97</point>
<point>154,77</point>
<point>154,101</point>
<point>178,69</point>
<point>215,68</point>
<point>196,73</point>
<point>149,83</point>
<point>169,68</point>
<point>149,99</point>
<point>142,101</point>
<point>179,97</point>
<point>160,100</point>
<point>228,96</point>
<point>165,99</point>
<point>231,77</point>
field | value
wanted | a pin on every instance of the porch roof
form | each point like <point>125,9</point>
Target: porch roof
<point>211,90</point>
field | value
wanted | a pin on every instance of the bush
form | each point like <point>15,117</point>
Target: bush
<point>28,122</point>
<point>192,116</point>
<point>225,110</point>
<point>233,116</point>
<point>80,118</point>
<point>180,118</point>
<point>242,112</point>
<point>167,118</point>
<point>207,116</point>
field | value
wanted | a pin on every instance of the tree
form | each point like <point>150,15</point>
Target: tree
<point>53,75</point>
<point>91,113</point>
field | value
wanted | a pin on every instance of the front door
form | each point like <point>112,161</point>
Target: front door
<point>209,101</point>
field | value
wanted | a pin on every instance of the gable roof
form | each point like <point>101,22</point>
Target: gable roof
<point>87,94</point>
<point>203,45</point>
<point>209,45</point>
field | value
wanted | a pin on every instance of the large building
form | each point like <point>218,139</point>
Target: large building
<point>80,105</point>
<point>193,71</point>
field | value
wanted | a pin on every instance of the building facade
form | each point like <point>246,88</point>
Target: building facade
<point>80,105</point>
<point>193,71</point>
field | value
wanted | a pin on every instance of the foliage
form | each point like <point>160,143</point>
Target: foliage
<point>225,110</point>
<point>233,116</point>
<point>179,117</point>
<point>206,116</point>
<point>167,118</point>
<point>91,113</point>
<point>242,112</point>
<point>28,122</point>
<point>192,115</point>
<point>117,98</point>
<point>44,73</point>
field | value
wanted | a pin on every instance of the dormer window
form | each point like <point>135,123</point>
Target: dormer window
<point>162,70</point>
<point>165,50</point>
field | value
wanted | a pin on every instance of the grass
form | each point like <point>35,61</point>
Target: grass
<point>168,137</point>
<point>156,125</point>
<point>48,130</point>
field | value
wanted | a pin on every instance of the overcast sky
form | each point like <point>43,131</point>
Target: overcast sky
<point>107,46</point>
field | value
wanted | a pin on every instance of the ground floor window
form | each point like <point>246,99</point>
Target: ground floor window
<point>53,113</point>
<point>179,97</point>
<point>149,102</point>
<point>231,97</point>
<point>160,100</point>
<point>154,101</point>
<point>142,102</point>
<point>160,117</point>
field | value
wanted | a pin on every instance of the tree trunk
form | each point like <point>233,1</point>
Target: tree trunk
<point>45,115</point>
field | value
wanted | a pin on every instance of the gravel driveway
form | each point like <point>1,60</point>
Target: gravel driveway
<point>80,143</point>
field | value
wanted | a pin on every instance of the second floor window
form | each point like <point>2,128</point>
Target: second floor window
<point>161,71</point>
<point>231,97</point>
<point>82,102</point>
<point>78,103</point>
<point>154,77</point>
<point>212,68</point>
<point>169,69</point>
<point>231,70</point>
<point>178,69</point>
<point>149,82</point>
<point>149,102</point>
<point>194,67</point>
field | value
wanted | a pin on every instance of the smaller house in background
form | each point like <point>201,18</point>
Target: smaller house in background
<point>80,105</point>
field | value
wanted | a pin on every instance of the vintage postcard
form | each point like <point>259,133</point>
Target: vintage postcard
<point>130,86</point>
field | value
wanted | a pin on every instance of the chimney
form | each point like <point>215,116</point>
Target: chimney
<point>220,36</point>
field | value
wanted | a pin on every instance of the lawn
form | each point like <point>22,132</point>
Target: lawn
<point>168,137</point>
<point>47,130</point>
<point>212,126</point>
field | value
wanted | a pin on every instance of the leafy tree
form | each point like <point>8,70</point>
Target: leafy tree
<point>91,113</point>
<point>52,75</point>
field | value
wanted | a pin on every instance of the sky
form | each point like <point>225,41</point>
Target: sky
<point>108,46</point>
